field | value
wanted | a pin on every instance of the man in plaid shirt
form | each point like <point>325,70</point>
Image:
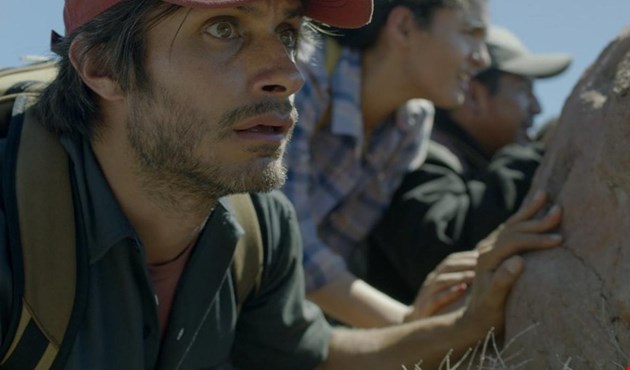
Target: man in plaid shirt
<point>362,126</point>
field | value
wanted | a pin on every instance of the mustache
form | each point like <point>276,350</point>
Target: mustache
<point>282,107</point>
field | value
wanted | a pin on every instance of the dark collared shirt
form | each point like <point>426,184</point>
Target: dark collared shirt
<point>455,199</point>
<point>276,328</point>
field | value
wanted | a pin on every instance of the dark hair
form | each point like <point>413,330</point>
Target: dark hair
<point>116,41</point>
<point>365,37</point>
<point>489,78</point>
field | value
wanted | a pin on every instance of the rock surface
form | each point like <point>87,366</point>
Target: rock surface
<point>571,307</point>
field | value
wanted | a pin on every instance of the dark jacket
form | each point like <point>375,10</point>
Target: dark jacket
<point>276,328</point>
<point>456,198</point>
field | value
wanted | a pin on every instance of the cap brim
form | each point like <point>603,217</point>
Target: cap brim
<point>537,66</point>
<point>338,13</point>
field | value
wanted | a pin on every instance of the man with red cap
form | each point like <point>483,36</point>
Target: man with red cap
<point>163,108</point>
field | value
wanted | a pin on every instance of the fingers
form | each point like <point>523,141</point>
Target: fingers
<point>504,278</point>
<point>521,234</point>
<point>529,209</point>
<point>448,296</point>
<point>516,243</point>
<point>442,292</point>
<point>450,279</point>
<point>548,222</point>
<point>442,288</point>
<point>460,261</point>
<point>499,266</point>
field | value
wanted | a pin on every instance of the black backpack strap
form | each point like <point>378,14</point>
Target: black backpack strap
<point>247,263</point>
<point>42,231</point>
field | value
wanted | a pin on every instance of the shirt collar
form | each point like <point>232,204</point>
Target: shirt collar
<point>104,221</point>
<point>345,84</point>
<point>444,123</point>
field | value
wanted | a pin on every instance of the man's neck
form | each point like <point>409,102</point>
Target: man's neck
<point>381,91</point>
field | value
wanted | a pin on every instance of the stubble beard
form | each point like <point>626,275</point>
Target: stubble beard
<point>164,137</point>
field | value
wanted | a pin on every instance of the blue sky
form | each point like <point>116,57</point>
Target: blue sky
<point>579,27</point>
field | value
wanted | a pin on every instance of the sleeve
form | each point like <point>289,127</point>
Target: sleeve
<point>437,210</point>
<point>278,328</point>
<point>320,262</point>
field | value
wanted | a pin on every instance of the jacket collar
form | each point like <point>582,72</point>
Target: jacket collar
<point>455,138</point>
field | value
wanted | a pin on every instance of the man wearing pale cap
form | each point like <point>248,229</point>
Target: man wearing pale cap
<point>163,108</point>
<point>473,178</point>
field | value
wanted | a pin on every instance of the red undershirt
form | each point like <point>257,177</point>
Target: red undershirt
<point>165,277</point>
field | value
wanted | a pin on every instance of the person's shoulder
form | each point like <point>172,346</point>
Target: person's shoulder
<point>531,149</point>
<point>272,203</point>
<point>420,107</point>
<point>439,154</point>
<point>276,216</point>
<point>278,224</point>
<point>416,115</point>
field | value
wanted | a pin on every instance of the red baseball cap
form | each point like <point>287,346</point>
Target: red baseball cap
<point>338,13</point>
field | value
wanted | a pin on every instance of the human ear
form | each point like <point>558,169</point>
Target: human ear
<point>400,24</point>
<point>91,72</point>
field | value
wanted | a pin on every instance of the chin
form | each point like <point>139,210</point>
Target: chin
<point>448,97</point>
<point>264,175</point>
<point>450,102</point>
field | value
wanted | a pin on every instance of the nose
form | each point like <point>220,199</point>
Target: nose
<point>534,106</point>
<point>480,57</point>
<point>278,75</point>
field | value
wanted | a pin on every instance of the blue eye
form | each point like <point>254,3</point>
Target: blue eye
<point>224,30</point>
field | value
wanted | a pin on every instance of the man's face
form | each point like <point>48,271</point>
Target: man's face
<point>218,113</point>
<point>455,50</point>
<point>511,111</point>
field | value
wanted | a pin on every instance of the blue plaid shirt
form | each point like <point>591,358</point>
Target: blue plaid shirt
<point>340,185</point>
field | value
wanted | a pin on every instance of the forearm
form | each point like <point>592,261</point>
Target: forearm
<point>428,341</point>
<point>352,301</point>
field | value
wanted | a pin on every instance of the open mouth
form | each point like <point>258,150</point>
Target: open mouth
<point>264,129</point>
<point>268,129</point>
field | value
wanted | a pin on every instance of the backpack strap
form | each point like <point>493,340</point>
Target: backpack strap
<point>32,77</point>
<point>247,264</point>
<point>42,224</point>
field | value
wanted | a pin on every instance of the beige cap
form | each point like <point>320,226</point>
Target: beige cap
<point>508,54</point>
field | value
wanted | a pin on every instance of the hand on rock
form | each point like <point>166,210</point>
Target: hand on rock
<point>499,265</point>
<point>445,285</point>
